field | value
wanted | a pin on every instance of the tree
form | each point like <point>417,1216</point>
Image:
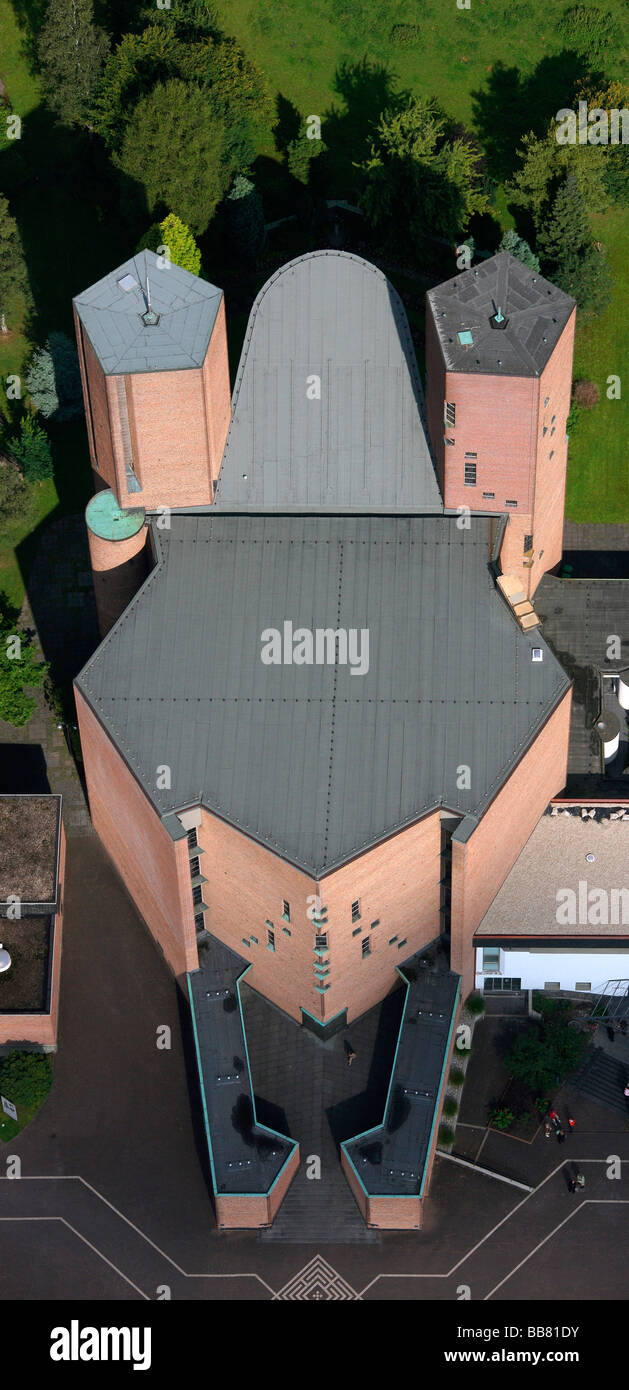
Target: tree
<point>299,156</point>
<point>72,51</point>
<point>176,150</point>
<point>25,1079</point>
<point>20,670</point>
<point>31,451</point>
<point>15,295</point>
<point>53,379</point>
<point>568,254</point>
<point>245,218</point>
<point>419,175</point>
<point>518,247</point>
<point>543,1054</point>
<point>174,234</point>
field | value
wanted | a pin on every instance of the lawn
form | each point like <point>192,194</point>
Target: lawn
<point>598,477</point>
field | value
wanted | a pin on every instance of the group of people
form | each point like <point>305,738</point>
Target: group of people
<point>552,1124</point>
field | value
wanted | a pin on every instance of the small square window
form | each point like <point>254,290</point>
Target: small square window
<point>321,941</point>
<point>254,939</point>
<point>246,942</point>
<point>357,931</point>
<point>401,943</point>
<point>392,939</point>
<point>489,494</point>
<point>585,985</point>
<point>537,654</point>
<point>449,442</point>
<point>356,910</point>
<point>511,502</point>
<point>286,931</point>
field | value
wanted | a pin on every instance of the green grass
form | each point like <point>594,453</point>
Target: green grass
<point>301,46</point>
<point>598,477</point>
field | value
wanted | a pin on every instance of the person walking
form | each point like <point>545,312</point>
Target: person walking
<point>571,1122</point>
<point>351,1057</point>
<point>561,1136</point>
<point>552,1115</point>
<point>580,1180</point>
<point>548,1129</point>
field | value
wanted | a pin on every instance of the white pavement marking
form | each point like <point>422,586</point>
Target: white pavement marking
<point>63,1222</point>
<point>476,1168</point>
<point>589,1201</point>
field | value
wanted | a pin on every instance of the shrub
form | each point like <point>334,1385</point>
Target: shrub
<point>475,1004</point>
<point>585,394</point>
<point>501,1117</point>
<point>450,1107</point>
<point>174,234</point>
<point>25,1078</point>
<point>406,35</point>
<point>457,1076</point>
<point>446,1134</point>
<point>31,450</point>
<point>13,491</point>
<point>543,1054</point>
<point>20,670</point>
<point>589,31</point>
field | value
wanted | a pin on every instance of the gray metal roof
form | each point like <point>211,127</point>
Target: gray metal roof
<point>311,760</point>
<point>245,1156</point>
<point>361,444</point>
<point>112,317</point>
<point>536,313</point>
<point>391,1160</point>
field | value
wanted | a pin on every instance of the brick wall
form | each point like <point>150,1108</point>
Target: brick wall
<point>480,866</point>
<point>118,570</point>
<point>435,392</point>
<point>217,391</point>
<point>496,420</point>
<point>395,1213</point>
<point>550,474</point>
<point>397,882</point>
<point>96,409</point>
<point>154,868</point>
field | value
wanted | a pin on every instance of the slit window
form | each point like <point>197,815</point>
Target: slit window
<point>489,494</point>
<point>192,838</point>
<point>366,946</point>
<point>197,895</point>
<point>511,502</point>
<point>270,940</point>
<point>450,414</point>
<point>285,910</point>
<point>356,910</point>
<point>470,474</point>
<point>528,545</point>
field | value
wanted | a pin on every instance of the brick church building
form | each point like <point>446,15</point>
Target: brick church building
<point>317,820</point>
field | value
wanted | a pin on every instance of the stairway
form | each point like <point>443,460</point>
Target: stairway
<point>320,1211</point>
<point>603,1078</point>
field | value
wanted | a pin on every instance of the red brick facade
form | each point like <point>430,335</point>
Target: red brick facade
<point>170,426</point>
<point>480,866</point>
<point>118,570</point>
<point>246,1211</point>
<point>154,868</point>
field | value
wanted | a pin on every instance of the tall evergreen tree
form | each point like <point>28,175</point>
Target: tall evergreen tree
<point>15,295</point>
<point>72,51</point>
<point>175,149</point>
<point>518,247</point>
<point>245,218</point>
<point>567,251</point>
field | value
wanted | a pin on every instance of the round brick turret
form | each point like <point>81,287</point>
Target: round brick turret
<point>117,542</point>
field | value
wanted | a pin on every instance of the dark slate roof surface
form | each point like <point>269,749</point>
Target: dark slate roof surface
<point>535,310</point>
<point>312,761</point>
<point>112,317</point>
<point>245,1156</point>
<point>390,1160</point>
<point>362,445</point>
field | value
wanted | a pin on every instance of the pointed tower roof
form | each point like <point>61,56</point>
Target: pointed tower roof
<point>130,330</point>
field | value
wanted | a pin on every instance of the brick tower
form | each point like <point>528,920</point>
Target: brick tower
<point>153,355</point>
<point>499,347</point>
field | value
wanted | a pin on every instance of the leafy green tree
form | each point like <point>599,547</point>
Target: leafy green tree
<point>421,176</point>
<point>25,1078</point>
<point>245,218</point>
<point>300,154</point>
<point>31,450</point>
<point>544,1052</point>
<point>568,255</point>
<point>234,86</point>
<point>15,295</point>
<point>518,247</point>
<point>175,149</point>
<point>72,51</point>
<point>174,234</point>
<point>21,669</point>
